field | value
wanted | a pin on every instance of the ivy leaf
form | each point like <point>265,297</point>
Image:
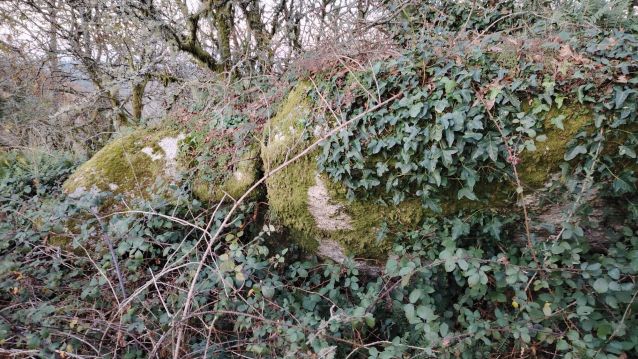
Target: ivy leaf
<point>559,101</point>
<point>415,295</point>
<point>621,97</point>
<point>558,121</point>
<point>437,133</point>
<point>459,228</point>
<point>467,193</point>
<point>580,149</point>
<point>626,151</point>
<point>381,168</point>
<point>624,183</point>
<point>472,135</point>
<point>449,119</point>
<point>447,156</point>
<point>436,175</point>
<point>470,176</point>
<point>448,84</point>
<point>449,136</point>
<point>495,91</point>
<point>440,106</point>
<point>416,109</point>
<point>601,285</point>
<point>376,146</point>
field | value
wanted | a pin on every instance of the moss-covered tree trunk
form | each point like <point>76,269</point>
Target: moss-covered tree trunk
<point>224,24</point>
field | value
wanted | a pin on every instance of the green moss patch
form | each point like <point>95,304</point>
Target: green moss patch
<point>536,167</point>
<point>372,222</point>
<point>287,189</point>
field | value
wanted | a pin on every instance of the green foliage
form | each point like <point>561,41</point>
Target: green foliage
<point>464,283</point>
<point>24,175</point>
<point>467,294</point>
<point>472,110</point>
<point>459,292</point>
<point>458,104</point>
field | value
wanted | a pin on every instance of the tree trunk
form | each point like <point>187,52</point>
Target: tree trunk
<point>53,39</point>
<point>224,25</point>
<point>293,25</point>
<point>120,118</point>
<point>255,22</point>
<point>137,99</point>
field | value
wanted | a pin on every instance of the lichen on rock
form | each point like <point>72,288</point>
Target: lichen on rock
<point>328,216</point>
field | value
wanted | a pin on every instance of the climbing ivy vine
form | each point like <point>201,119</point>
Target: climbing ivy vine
<point>472,107</point>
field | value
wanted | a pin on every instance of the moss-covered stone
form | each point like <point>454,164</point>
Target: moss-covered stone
<point>316,211</point>
<point>370,221</point>
<point>131,164</point>
<point>287,189</point>
<point>146,161</point>
<point>313,208</point>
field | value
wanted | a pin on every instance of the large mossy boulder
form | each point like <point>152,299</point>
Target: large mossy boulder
<point>148,161</point>
<point>319,217</point>
<point>131,165</point>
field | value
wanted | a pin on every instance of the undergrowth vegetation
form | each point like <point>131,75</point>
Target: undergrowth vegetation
<point>548,271</point>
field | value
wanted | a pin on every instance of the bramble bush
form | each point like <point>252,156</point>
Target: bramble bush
<point>96,276</point>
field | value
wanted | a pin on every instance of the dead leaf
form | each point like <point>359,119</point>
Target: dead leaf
<point>565,52</point>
